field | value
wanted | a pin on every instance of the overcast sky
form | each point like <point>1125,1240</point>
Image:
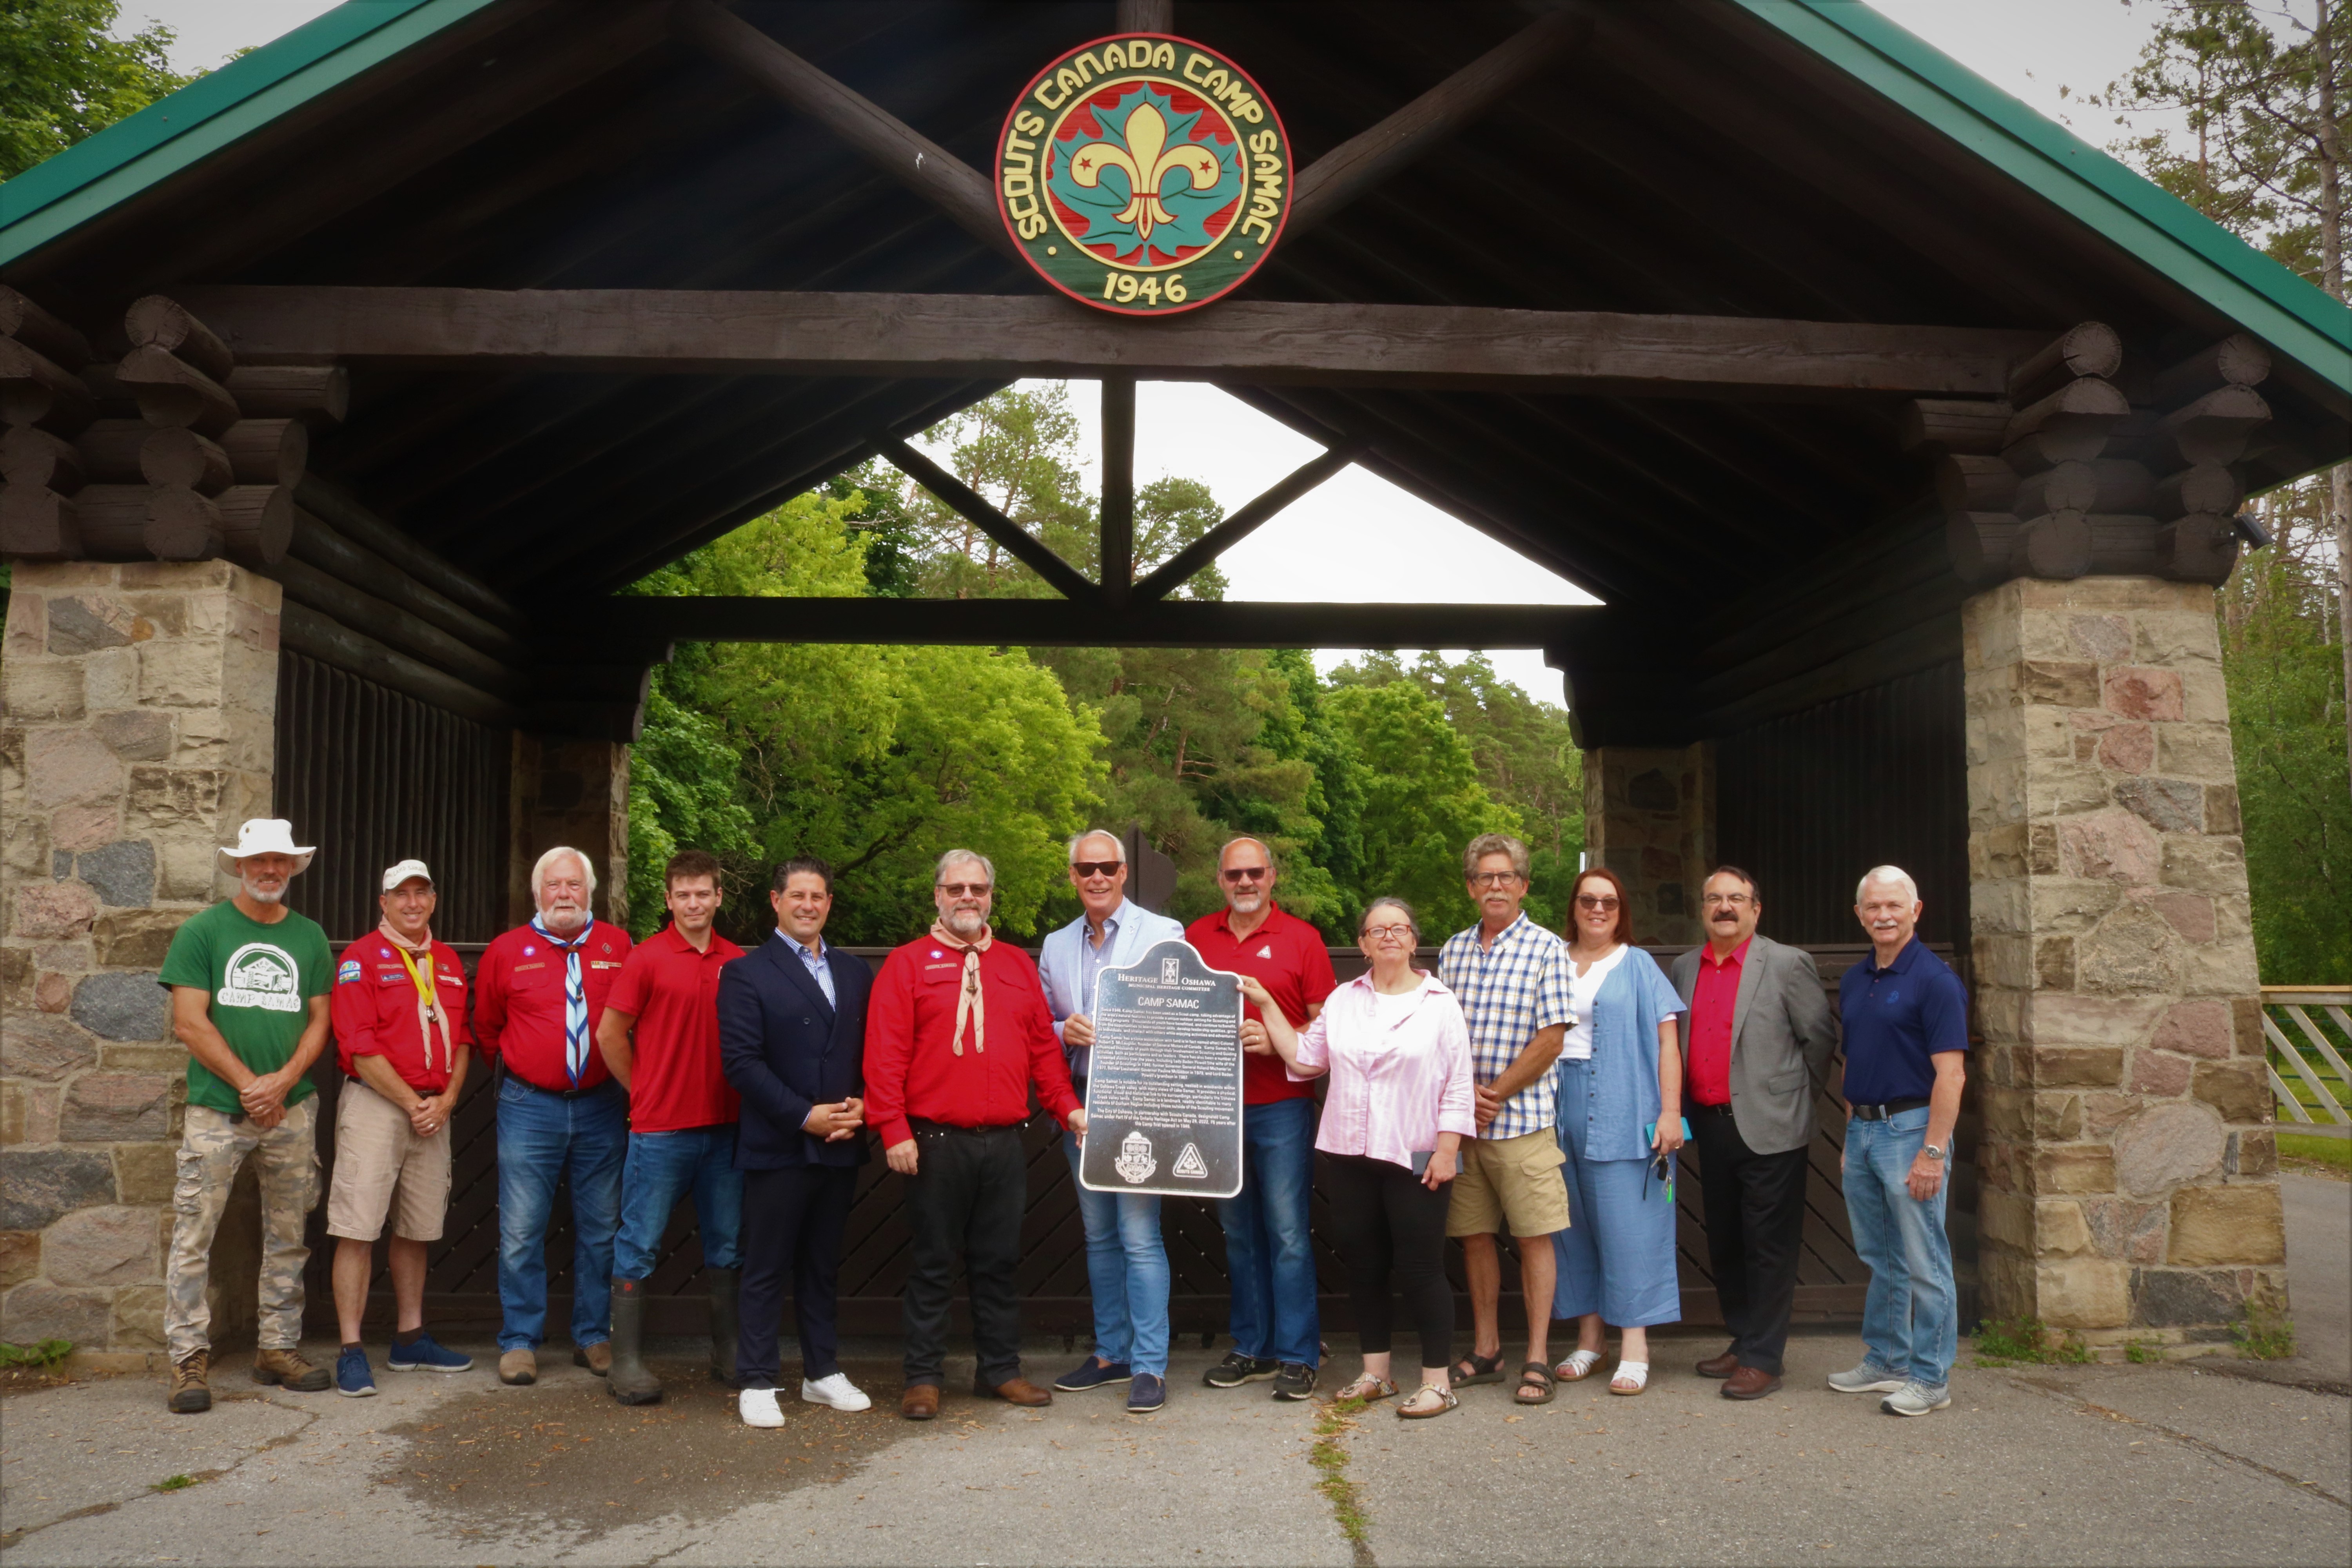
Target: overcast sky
<point>1358,538</point>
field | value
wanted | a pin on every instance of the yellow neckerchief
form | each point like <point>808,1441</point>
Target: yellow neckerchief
<point>969,1001</point>
<point>429,1011</point>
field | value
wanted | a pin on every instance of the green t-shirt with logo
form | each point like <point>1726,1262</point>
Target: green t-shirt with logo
<point>261,978</point>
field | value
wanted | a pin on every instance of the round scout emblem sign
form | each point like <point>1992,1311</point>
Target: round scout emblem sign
<point>1144,174</point>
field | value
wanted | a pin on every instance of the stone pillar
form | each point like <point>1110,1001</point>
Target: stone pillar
<point>2129,1184</point>
<point>1649,816</point>
<point>576,793</point>
<point>139,699</point>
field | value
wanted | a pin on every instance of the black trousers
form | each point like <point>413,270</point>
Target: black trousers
<point>1390,1232</point>
<point>967,1195</point>
<point>1755,1229</point>
<point>792,1226</point>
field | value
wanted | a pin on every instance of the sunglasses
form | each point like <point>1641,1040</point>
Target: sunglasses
<point>1245,874</point>
<point>1587,902</point>
<point>964,890</point>
<point>1094,867</point>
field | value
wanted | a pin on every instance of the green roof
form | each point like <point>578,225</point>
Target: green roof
<point>2294,316</point>
<point>61,193</point>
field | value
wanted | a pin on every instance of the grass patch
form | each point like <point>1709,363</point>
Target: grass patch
<point>2330,1156</point>
<point>2266,1335</point>
<point>2013,1341</point>
<point>1330,1459</point>
<point>40,1357</point>
<point>175,1483</point>
<point>2142,1353</point>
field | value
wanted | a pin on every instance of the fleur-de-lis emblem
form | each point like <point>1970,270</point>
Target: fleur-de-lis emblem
<point>1146,160</point>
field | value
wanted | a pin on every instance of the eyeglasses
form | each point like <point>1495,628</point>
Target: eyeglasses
<point>1388,933</point>
<point>1094,867</point>
<point>1590,901</point>
<point>1725,899</point>
<point>963,889</point>
<point>1246,873</point>
<point>1494,878</point>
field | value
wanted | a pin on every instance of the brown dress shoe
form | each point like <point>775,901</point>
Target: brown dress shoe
<point>1751,1382</point>
<point>518,1367</point>
<point>597,1358</point>
<point>1722,1365</point>
<point>920,1401</point>
<point>1018,1391</point>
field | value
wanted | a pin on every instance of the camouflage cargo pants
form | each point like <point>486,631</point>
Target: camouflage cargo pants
<point>212,1148</point>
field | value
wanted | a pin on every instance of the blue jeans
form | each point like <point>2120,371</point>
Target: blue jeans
<point>1127,1269</point>
<point>1910,1319</point>
<point>1268,1253</point>
<point>662,1168</point>
<point>542,1138</point>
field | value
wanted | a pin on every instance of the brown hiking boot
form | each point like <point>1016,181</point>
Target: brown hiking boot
<point>597,1358</point>
<point>518,1367</point>
<point>287,1369</point>
<point>191,1395</point>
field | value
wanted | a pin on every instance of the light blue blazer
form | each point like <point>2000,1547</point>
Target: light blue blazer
<point>1062,961</point>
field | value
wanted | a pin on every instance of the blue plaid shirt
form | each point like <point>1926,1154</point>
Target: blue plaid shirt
<point>1508,991</point>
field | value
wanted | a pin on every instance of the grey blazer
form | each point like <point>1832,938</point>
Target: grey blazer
<point>1783,1031</point>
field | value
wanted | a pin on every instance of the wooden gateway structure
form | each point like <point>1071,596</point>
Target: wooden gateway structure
<point>1903,435</point>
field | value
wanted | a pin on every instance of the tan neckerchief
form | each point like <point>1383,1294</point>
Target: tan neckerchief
<point>970,1003</point>
<point>429,1010</point>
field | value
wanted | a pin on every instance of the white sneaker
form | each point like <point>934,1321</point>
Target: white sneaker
<point>758,1407</point>
<point>836,1391</point>
<point>1916,1399</point>
<point>1867,1379</point>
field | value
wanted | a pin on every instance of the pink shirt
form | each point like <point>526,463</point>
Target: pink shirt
<point>1397,1082</point>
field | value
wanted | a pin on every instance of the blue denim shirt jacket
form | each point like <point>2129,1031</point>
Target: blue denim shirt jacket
<point>1621,1085</point>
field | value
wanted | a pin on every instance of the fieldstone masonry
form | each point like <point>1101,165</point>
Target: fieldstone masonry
<point>575,792</point>
<point>1649,816</point>
<point>137,734</point>
<point>2129,1172</point>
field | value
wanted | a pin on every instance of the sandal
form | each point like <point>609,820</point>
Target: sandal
<point>1537,1376</point>
<point>1476,1368</point>
<point>1578,1366</point>
<point>1446,1402</point>
<point>1366,1388</point>
<point>1638,1371</point>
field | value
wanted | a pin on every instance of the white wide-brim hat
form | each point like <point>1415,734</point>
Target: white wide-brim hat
<point>268,835</point>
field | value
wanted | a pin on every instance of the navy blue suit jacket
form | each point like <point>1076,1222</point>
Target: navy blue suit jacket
<point>785,1048</point>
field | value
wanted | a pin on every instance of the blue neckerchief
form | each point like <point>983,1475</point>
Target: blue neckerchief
<point>575,998</point>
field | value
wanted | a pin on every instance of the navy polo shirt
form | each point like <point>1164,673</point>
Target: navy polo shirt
<point>1896,1019</point>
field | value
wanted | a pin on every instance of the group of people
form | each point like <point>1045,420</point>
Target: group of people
<point>1535,1083</point>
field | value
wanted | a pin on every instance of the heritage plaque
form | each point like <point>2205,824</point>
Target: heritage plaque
<point>1164,1089</point>
<point>1143,175</point>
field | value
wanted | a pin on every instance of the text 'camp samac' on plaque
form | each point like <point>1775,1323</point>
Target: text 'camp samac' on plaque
<point>1164,1093</point>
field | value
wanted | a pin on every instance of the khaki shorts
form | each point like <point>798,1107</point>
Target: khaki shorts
<point>1512,1179</point>
<point>377,1154</point>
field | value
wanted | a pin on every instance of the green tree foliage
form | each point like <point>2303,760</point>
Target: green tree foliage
<point>63,76</point>
<point>1423,800</point>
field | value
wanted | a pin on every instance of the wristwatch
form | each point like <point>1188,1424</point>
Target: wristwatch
<point>1933,1151</point>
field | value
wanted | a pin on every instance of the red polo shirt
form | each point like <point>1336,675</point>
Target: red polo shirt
<point>1287,957</point>
<point>912,1069</point>
<point>1714,996</point>
<point>519,1002</point>
<point>672,991</point>
<point>374,1007</point>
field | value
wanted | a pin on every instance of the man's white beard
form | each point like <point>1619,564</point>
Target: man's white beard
<point>1247,903</point>
<point>259,894</point>
<point>564,920</point>
<point>967,923</point>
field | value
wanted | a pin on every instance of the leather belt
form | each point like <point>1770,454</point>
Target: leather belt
<point>1722,1109</point>
<point>1881,1112</point>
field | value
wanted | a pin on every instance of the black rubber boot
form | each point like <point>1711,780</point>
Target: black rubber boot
<point>630,1380</point>
<point>726,1323</point>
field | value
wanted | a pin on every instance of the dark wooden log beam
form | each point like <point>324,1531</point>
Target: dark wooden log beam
<point>35,390</point>
<point>322,637</point>
<point>2093,348</point>
<point>24,320</point>
<point>1354,166</point>
<point>338,507</point>
<point>319,393</point>
<point>173,392</point>
<point>651,622</point>
<point>1017,540</point>
<point>906,154</point>
<point>1248,342</point>
<point>1179,569</point>
<point>1146,16</point>
<point>155,321</point>
<point>321,547</point>
<point>2236,361</point>
<point>1117,553</point>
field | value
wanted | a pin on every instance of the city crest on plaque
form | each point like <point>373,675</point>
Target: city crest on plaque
<point>1143,175</point>
<point>1166,1074</point>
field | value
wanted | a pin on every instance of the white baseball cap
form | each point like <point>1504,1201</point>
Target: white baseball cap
<point>396,875</point>
<point>268,835</point>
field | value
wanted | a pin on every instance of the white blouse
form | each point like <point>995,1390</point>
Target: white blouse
<point>1582,989</point>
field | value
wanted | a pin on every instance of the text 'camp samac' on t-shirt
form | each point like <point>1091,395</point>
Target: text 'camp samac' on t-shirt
<point>261,979</point>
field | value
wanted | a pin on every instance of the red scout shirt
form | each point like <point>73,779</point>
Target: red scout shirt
<point>1288,958</point>
<point>911,1066</point>
<point>1714,996</point>
<point>672,991</point>
<point>373,1006</point>
<point>519,1002</point>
